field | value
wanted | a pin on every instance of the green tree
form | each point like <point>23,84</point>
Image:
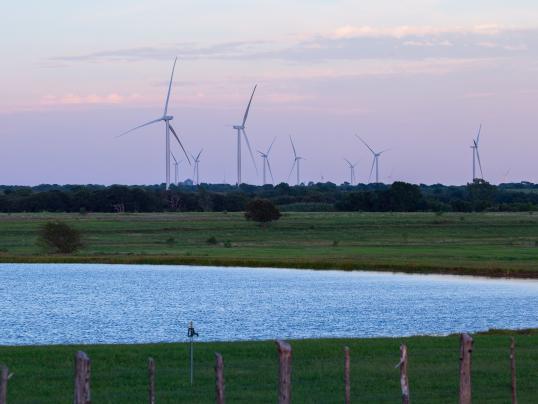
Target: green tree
<point>481,194</point>
<point>59,237</point>
<point>262,211</point>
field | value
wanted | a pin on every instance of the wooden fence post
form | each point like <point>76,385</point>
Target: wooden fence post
<point>82,378</point>
<point>219,379</point>
<point>513,370</point>
<point>151,381</point>
<point>347,382</point>
<point>404,379</point>
<point>4,376</point>
<point>466,349</point>
<point>284,372</point>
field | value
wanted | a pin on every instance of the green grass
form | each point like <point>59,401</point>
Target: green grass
<point>491,244</point>
<point>44,374</point>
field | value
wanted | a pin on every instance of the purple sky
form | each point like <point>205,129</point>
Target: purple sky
<point>418,77</point>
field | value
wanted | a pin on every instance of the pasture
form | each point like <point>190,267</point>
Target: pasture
<point>44,374</point>
<point>490,244</point>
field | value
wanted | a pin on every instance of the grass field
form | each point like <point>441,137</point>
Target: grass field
<point>45,374</point>
<point>491,244</point>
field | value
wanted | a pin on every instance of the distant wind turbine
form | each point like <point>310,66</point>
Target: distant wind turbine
<point>265,158</point>
<point>476,154</point>
<point>505,176</point>
<point>176,168</point>
<point>352,171</point>
<point>166,119</point>
<point>375,161</point>
<point>241,129</point>
<point>196,175</point>
<point>296,163</point>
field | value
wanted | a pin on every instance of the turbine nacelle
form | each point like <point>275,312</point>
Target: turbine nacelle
<point>167,118</point>
<point>238,127</point>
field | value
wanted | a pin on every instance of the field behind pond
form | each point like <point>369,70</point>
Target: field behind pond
<point>44,374</point>
<point>493,244</point>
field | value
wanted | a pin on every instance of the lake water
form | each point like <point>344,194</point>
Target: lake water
<point>74,303</point>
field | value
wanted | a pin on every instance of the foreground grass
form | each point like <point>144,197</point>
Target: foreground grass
<point>44,374</point>
<point>491,244</point>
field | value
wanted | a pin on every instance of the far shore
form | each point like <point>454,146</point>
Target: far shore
<point>317,265</point>
<point>495,245</point>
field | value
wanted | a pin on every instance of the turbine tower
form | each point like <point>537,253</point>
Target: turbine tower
<point>265,158</point>
<point>241,129</point>
<point>168,128</point>
<point>375,161</point>
<point>176,169</point>
<point>476,155</point>
<point>296,162</point>
<point>352,171</point>
<point>196,174</point>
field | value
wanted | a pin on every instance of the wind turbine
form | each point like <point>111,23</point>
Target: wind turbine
<point>352,171</point>
<point>265,158</point>
<point>296,161</point>
<point>375,161</point>
<point>168,127</point>
<point>476,154</point>
<point>241,129</point>
<point>176,168</point>
<point>196,175</point>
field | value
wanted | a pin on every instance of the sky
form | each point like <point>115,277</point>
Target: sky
<point>416,77</point>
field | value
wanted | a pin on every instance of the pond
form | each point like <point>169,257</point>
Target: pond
<point>87,303</point>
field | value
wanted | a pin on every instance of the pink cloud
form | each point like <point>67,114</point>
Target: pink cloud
<point>92,99</point>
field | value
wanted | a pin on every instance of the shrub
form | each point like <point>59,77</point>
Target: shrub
<point>59,237</point>
<point>211,240</point>
<point>262,211</point>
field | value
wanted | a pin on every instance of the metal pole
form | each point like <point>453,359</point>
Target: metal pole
<point>167,159</point>
<point>192,361</point>
<point>238,157</point>
<point>191,333</point>
<point>474,163</point>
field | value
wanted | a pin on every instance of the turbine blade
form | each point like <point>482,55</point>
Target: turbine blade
<point>478,136</point>
<point>250,150</point>
<point>386,150</point>
<point>269,150</point>
<point>248,106</point>
<point>291,171</point>
<point>293,146</point>
<point>174,157</point>
<point>479,163</point>
<point>140,126</point>
<point>179,141</point>
<point>169,88</point>
<point>349,162</point>
<point>197,157</point>
<point>270,171</point>
<point>371,169</point>
<point>366,144</point>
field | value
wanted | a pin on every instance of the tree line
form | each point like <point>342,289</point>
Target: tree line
<point>399,196</point>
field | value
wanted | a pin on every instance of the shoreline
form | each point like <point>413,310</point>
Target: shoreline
<point>490,332</point>
<point>317,265</point>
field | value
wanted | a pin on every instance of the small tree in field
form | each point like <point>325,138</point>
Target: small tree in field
<point>59,237</point>
<point>262,211</point>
